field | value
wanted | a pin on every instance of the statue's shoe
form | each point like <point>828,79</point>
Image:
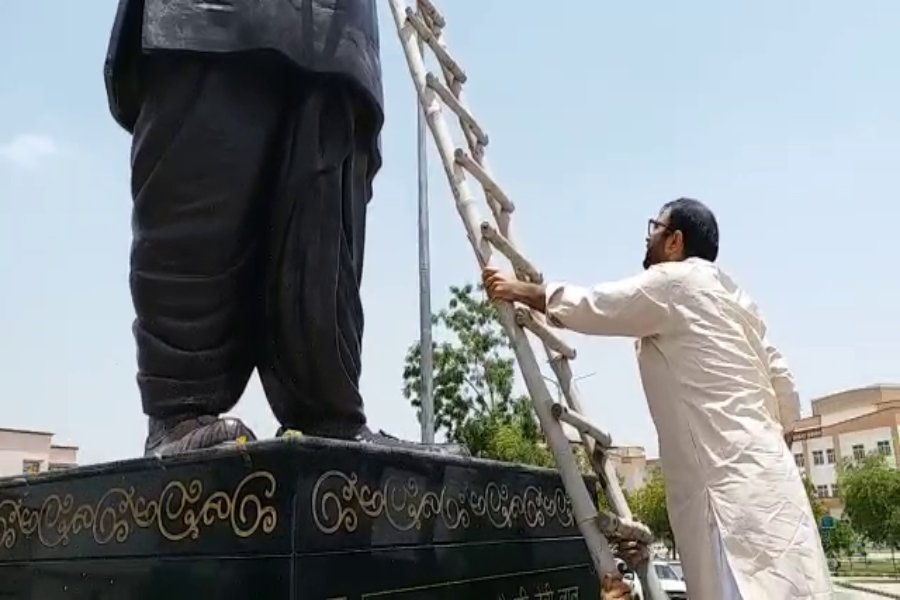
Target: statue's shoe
<point>177,436</point>
<point>365,435</point>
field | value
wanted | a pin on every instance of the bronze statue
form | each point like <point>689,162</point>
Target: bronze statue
<point>255,143</point>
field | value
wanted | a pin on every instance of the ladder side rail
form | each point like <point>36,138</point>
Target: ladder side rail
<point>563,373</point>
<point>503,218</point>
<point>558,362</point>
<point>476,144</point>
<point>433,13</point>
<point>582,504</point>
<point>476,147</point>
<point>476,139</point>
<point>500,238</point>
<point>506,239</point>
<point>605,470</point>
<point>551,346</point>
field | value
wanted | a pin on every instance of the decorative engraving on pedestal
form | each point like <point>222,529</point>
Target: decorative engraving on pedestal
<point>339,500</point>
<point>567,593</point>
<point>520,595</point>
<point>545,592</point>
<point>512,581</point>
<point>181,511</point>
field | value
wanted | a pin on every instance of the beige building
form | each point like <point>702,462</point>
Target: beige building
<point>28,452</point>
<point>632,465</point>
<point>847,425</point>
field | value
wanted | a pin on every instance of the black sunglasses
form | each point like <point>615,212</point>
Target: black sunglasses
<point>653,225</point>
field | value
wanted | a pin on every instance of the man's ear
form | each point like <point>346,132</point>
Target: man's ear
<point>675,243</point>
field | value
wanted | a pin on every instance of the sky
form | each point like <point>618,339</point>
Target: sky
<point>784,117</point>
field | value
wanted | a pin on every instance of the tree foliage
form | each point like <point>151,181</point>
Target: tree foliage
<point>840,540</point>
<point>818,509</point>
<point>584,464</point>
<point>648,503</point>
<point>474,374</point>
<point>870,489</point>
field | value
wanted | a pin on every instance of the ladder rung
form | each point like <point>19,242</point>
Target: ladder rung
<point>567,415</point>
<point>614,526</point>
<point>429,10</point>
<point>521,264</point>
<point>428,36</point>
<point>486,181</point>
<point>453,104</point>
<point>526,320</point>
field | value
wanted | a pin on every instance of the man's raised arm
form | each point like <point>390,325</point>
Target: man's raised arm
<point>785,389</point>
<point>635,307</point>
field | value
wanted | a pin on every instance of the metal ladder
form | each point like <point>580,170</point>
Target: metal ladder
<point>423,28</point>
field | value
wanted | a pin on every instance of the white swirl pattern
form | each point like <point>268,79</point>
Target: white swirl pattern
<point>339,500</point>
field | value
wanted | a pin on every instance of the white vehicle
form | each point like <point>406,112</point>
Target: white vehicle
<point>671,583</point>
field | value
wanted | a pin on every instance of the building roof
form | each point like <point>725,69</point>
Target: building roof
<point>25,431</point>
<point>40,433</point>
<point>870,394</point>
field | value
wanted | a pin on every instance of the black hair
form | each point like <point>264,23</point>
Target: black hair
<point>697,225</point>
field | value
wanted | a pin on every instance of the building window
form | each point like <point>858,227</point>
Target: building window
<point>884,448</point>
<point>834,490</point>
<point>59,467</point>
<point>822,491</point>
<point>818,457</point>
<point>31,467</point>
<point>859,452</point>
<point>798,458</point>
<point>829,456</point>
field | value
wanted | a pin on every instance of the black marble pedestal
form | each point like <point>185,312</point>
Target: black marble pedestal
<point>292,519</point>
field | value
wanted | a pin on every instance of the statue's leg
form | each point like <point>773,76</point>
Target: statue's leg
<point>199,163</point>
<point>310,367</point>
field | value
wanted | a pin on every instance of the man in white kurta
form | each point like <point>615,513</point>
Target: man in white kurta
<point>721,397</point>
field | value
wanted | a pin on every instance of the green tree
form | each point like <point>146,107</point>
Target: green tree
<point>474,374</point>
<point>649,506</point>
<point>602,500</point>
<point>818,509</point>
<point>839,541</point>
<point>870,489</point>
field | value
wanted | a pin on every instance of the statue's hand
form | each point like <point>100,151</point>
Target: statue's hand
<point>614,589</point>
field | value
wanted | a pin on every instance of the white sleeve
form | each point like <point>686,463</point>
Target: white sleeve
<point>635,307</point>
<point>780,375</point>
<point>785,389</point>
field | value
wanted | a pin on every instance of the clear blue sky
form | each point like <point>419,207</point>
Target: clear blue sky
<point>783,116</point>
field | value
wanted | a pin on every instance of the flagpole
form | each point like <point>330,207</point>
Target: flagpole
<point>426,363</point>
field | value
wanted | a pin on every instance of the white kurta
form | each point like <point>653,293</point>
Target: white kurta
<point>720,396</point>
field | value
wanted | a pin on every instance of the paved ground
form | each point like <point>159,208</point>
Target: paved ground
<point>843,594</point>
<point>888,588</point>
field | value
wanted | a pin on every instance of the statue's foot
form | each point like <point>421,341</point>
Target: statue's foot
<point>180,435</point>
<point>365,435</point>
